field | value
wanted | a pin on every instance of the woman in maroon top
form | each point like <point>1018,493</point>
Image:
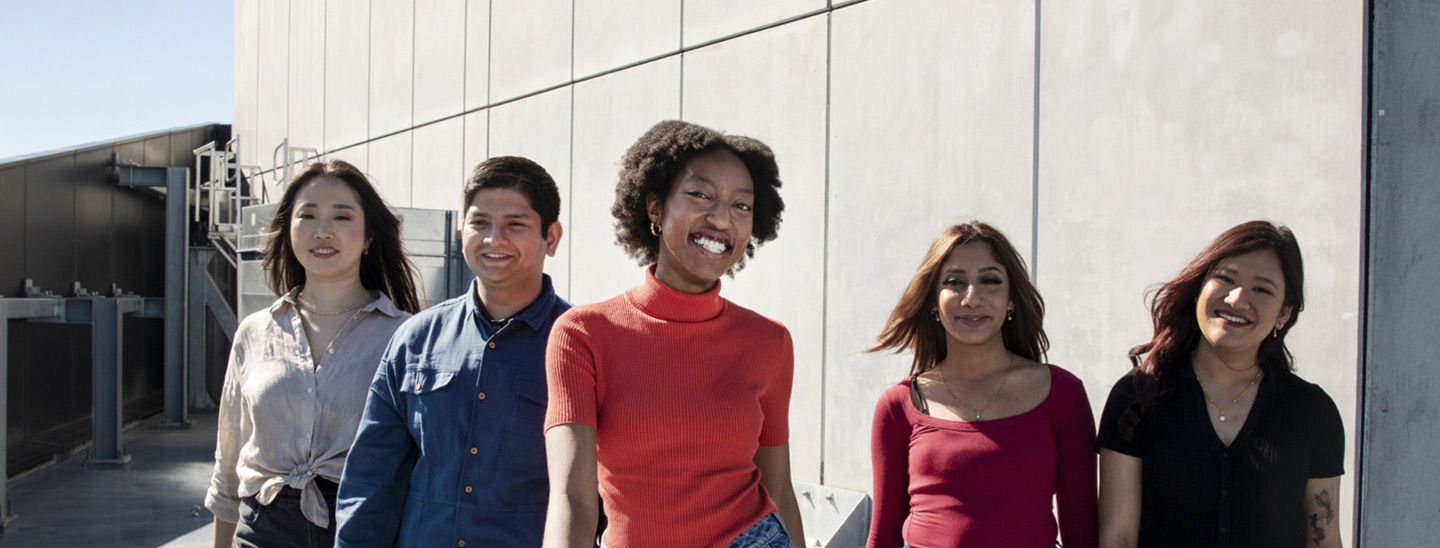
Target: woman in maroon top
<point>973,446</point>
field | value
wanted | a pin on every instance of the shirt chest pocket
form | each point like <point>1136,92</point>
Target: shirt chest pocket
<point>428,392</point>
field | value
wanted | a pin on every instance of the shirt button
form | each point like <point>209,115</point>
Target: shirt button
<point>474,450</point>
<point>1225,492</point>
<point>482,395</point>
<point>417,387</point>
<point>307,436</point>
<point>309,390</point>
<point>1223,530</point>
<point>462,544</point>
<point>1225,455</point>
<point>330,351</point>
<point>492,344</point>
<point>469,489</point>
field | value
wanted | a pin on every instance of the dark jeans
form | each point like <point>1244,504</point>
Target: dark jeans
<point>282,524</point>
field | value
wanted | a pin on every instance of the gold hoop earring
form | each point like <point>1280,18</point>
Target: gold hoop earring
<point>655,230</point>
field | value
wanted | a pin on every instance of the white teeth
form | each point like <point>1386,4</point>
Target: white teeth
<point>713,246</point>
<point>1228,317</point>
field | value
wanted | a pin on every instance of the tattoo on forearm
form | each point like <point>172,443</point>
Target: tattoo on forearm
<point>1319,520</point>
<point>1323,499</point>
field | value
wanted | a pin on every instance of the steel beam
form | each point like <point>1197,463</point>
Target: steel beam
<point>177,235</point>
<point>14,309</point>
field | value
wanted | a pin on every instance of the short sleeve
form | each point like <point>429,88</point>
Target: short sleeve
<point>1112,435</point>
<point>570,374</point>
<point>1328,458</point>
<point>775,400</point>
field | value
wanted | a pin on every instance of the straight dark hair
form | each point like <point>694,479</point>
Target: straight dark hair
<point>384,267</point>
<point>1172,313</point>
<point>911,327</point>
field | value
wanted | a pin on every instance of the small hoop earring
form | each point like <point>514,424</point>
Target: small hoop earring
<point>1275,334</point>
<point>655,230</point>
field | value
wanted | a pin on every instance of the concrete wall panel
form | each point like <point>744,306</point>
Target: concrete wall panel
<point>439,59</point>
<point>274,97</point>
<point>1154,124</point>
<point>306,74</point>
<point>707,20</point>
<point>929,126</point>
<point>438,171</point>
<point>612,34</point>
<point>477,54</point>
<point>477,143</point>
<point>390,160</point>
<point>611,112</point>
<point>530,45</point>
<point>538,128</point>
<point>392,62</point>
<point>246,66</point>
<point>1401,435</point>
<point>783,104</point>
<point>347,73</point>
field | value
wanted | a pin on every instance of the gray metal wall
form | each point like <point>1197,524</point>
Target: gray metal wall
<point>63,219</point>
<point>1110,139</point>
<point>1400,498</point>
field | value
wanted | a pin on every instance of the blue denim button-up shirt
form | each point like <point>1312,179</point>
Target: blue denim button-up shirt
<point>451,447</point>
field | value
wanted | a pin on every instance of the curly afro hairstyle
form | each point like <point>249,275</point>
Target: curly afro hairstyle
<point>654,162</point>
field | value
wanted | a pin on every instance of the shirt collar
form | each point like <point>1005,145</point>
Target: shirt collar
<point>381,304</point>
<point>658,300</point>
<point>534,314</point>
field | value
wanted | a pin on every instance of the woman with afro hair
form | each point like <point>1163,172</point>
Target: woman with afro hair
<point>669,402</point>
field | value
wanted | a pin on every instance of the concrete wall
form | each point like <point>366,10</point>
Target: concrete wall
<point>1399,499</point>
<point>1110,140</point>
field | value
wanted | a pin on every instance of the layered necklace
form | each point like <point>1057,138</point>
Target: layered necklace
<point>1222,408</point>
<point>1003,378</point>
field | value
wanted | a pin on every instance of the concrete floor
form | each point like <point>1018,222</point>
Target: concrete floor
<point>152,502</point>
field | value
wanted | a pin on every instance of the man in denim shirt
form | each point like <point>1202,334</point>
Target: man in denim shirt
<point>450,451</point>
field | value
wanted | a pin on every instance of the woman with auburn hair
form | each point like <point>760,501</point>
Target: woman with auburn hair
<point>973,446</point>
<point>1211,439</point>
<point>669,401</point>
<point>299,371</point>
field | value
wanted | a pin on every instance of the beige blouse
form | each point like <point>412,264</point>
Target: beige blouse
<point>283,419</point>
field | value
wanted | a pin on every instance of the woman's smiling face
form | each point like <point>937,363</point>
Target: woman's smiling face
<point>1242,302</point>
<point>705,222</point>
<point>973,295</point>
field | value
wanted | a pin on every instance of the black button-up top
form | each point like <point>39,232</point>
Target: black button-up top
<point>1196,491</point>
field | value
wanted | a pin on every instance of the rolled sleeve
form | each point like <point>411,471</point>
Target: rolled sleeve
<point>223,498</point>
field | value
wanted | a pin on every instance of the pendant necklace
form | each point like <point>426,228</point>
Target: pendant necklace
<point>1222,408</point>
<point>1004,378</point>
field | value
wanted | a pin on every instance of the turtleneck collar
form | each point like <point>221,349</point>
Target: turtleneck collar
<point>661,301</point>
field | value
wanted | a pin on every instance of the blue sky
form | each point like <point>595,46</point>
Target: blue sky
<point>79,71</point>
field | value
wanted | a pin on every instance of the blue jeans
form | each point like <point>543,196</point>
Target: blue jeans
<point>769,532</point>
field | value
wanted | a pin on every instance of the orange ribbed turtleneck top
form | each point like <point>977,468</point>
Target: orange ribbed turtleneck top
<point>681,389</point>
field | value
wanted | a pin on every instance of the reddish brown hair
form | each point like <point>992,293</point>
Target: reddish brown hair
<point>911,326</point>
<point>1172,313</point>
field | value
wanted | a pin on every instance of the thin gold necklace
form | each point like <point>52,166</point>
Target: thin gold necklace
<point>312,310</point>
<point>1222,408</point>
<point>1004,378</point>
